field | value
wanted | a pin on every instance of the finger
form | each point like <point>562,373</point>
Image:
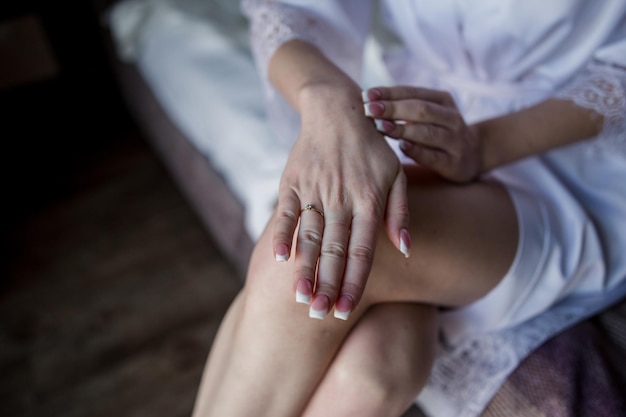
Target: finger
<point>408,92</point>
<point>364,232</point>
<point>397,215</point>
<point>287,214</point>
<point>332,262</point>
<point>308,246</point>
<point>431,158</point>
<point>424,134</point>
<point>414,110</point>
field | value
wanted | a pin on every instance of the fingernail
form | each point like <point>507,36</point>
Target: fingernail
<point>371,108</point>
<point>319,307</point>
<point>370,95</point>
<point>405,145</point>
<point>405,242</point>
<point>344,307</point>
<point>282,253</point>
<point>304,291</point>
<point>383,125</point>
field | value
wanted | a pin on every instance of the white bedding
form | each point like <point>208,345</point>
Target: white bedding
<point>194,55</point>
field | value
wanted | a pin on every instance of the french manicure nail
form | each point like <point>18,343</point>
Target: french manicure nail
<point>319,307</point>
<point>344,307</point>
<point>367,107</point>
<point>282,253</point>
<point>383,125</point>
<point>364,96</point>
<point>373,107</point>
<point>304,291</point>
<point>379,125</point>
<point>405,242</point>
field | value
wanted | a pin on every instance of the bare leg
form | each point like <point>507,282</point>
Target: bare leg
<point>381,366</point>
<point>218,359</point>
<point>275,357</point>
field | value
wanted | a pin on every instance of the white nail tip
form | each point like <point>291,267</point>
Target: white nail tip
<point>342,315</point>
<point>317,314</point>
<point>404,249</point>
<point>379,125</point>
<point>302,298</point>
<point>364,96</point>
<point>366,108</point>
<point>282,258</point>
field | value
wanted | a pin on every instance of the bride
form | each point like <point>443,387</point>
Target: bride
<point>498,204</point>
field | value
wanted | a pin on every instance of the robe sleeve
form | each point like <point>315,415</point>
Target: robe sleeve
<point>337,28</point>
<point>601,86</point>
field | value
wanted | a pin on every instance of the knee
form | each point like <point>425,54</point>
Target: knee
<point>374,390</point>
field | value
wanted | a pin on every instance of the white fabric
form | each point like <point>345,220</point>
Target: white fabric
<point>195,57</point>
<point>495,56</point>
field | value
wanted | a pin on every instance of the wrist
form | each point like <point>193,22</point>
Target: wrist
<point>326,93</point>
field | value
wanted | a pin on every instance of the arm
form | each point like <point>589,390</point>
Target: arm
<point>534,130</point>
<point>311,53</point>
<point>341,165</point>
<point>435,136</point>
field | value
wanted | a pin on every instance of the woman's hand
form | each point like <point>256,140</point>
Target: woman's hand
<point>344,169</point>
<point>430,128</point>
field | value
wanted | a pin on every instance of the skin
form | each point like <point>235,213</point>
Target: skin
<point>269,357</point>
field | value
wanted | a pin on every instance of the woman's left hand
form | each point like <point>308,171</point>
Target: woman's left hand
<point>430,128</point>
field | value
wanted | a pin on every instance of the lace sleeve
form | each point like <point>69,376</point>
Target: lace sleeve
<point>337,28</point>
<point>601,87</point>
<point>334,28</point>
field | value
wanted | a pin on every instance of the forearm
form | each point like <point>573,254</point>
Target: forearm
<point>547,125</point>
<point>300,71</point>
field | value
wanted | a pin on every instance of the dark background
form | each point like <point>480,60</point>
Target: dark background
<point>111,290</point>
<point>51,126</point>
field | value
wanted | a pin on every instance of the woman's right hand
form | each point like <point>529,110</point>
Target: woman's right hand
<point>344,169</point>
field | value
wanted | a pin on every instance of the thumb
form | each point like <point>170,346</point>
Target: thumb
<point>397,215</point>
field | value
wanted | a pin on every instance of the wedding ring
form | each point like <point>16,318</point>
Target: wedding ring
<point>309,207</point>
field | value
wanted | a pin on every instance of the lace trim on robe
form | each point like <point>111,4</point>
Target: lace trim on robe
<point>273,23</point>
<point>601,87</point>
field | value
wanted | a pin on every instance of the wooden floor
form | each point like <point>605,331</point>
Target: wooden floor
<point>112,296</point>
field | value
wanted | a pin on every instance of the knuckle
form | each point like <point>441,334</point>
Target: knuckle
<point>390,108</point>
<point>311,236</point>
<point>370,208</point>
<point>431,131</point>
<point>361,253</point>
<point>401,211</point>
<point>354,290</point>
<point>334,250</point>
<point>305,272</point>
<point>371,203</point>
<point>330,289</point>
<point>286,216</point>
<point>424,111</point>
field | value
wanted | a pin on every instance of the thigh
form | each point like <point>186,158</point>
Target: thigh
<point>464,240</point>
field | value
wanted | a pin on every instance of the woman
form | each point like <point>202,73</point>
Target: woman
<point>510,210</point>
